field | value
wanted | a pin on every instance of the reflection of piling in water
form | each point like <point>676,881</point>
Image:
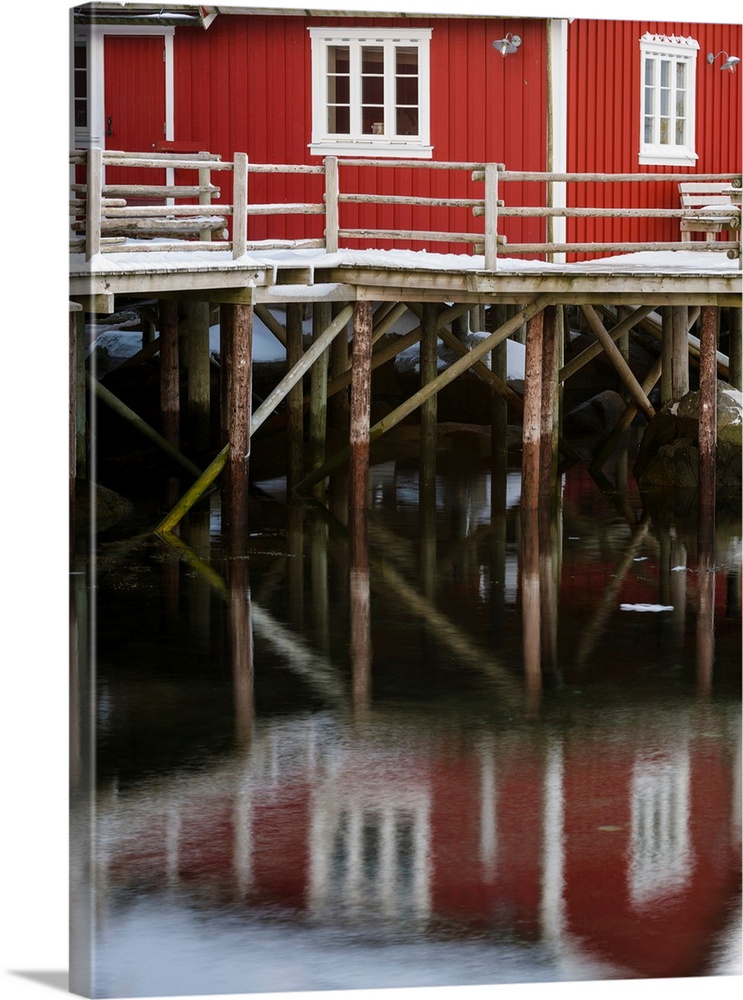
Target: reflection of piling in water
<point>360,610</point>
<point>530,603</point>
<point>241,649</point>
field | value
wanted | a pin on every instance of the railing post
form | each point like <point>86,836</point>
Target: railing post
<point>331,204</point>
<point>94,199</point>
<point>239,204</point>
<point>205,198</point>
<point>491,216</point>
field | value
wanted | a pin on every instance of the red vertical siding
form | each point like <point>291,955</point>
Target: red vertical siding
<point>245,84</point>
<point>604,77</point>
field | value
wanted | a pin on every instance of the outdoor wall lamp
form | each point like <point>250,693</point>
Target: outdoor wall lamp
<point>730,62</point>
<point>508,44</point>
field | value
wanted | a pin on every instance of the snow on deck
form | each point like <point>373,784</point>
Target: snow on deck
<point>664,262</point>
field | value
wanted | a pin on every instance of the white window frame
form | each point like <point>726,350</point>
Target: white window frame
<point>673,49</point>
<point>357,143</point>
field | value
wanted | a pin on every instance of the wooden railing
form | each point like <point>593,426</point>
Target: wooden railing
<point>108,217</point>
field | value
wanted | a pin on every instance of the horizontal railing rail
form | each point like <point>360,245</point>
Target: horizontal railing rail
<point>121,217</point>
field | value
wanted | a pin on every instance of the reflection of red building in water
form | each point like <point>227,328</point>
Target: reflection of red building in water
<point>617,847</point>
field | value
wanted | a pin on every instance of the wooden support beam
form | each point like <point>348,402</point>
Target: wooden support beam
<point>708,411</point>
<point>594,350</point>
<point>359,442</point>
<point>629,414</point>
<point>268,319</point>
<point>107,397</point>
<point>210,474</point>
<point>442,380</point>
<point>622,368</point>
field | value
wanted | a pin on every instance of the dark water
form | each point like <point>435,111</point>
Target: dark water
<point>439,747</point>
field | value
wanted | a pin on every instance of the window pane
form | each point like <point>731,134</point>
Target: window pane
<point>372,121</point>
<point>407,121</point>
<point>665,102</point>
<point>339,121</point>
<point>81,53</point>
<point>81,114</point>
<point>648,133</point>
<point>372,59</point>
<point>372,90</point>
<point>338,59</point>
<point>664,132</point>
<point>407,90</point>
<point>680,132</point>
<point>680,76</point>
<point>406,60</point>
<point>665,73</point>
<point>649,72</point>
<point>649,102</point>
<point>338,90</point>
<point>680,103</point>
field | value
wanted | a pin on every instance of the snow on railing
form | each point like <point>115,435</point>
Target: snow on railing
<point>111,216</point>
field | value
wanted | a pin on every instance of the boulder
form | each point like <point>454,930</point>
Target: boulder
<point>596,416</point>
<point>668,458</point>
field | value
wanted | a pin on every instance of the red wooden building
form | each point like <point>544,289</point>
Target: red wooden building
<point>532,93</point>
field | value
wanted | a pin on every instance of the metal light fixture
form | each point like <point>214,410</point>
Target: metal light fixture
<point>508,44</point>
<point>730,61</point>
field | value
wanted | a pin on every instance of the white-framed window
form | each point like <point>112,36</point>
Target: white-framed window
<point>370,92</point>
<point>668,99</point>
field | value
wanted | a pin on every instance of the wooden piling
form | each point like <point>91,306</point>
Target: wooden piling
<point>442,379</point>
<point>294,400</point>
<point>170,398</point>
<point>197,354</point>
<point>318,395</point>
<point>708,412</point>
<point>531,433</point>
<point>499,412</point>
<point>547,452</point>
<point>338,409</point>
<point>428,369</point>
<point>679,351</point>
<point>236,320</point>
<point>359,440</point>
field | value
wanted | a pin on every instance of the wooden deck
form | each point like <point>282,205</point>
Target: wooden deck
<point>648,277</point>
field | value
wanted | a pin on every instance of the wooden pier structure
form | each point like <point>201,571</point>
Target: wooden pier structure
<point>173,243</point>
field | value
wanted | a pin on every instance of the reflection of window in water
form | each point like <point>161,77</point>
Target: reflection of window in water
<point>370,856</point>
<point>660,858</point>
